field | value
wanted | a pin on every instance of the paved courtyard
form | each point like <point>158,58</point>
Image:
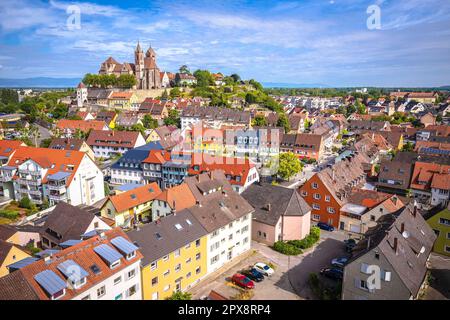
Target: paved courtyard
<point>290,281</point>
<point>439,288</point>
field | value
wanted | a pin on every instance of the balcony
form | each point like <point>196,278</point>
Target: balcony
<point>55,196</point>
<point>5,178</point>
<point>33,182</point>
<point>28,172</point>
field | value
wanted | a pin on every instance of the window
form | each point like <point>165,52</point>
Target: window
<point>331,210</point>
<point>131,255</point>
<point>188,275</point>
<point>188,260</point>
<point>188,246</point>
<point>166,273</point>
<point>197,256</point>
<point>317,196</point>
<point>198,270</point>
<point>117,280</point>
<point>316,206</point>
<point>372,217</point>
<point>154,281</point>
<point>101,292</point>
<point>327,198</point>
<point>154,265</point>
<point>132,291</point>
<point>314,185</point>
<point>316,217</point>
<point>447,248</point>
<point>165,258</point>
<point>230,237</point>
<point>118,297</point>
<point>167,288</point>
<point>131,274</point>
<point>386,275</point>
<point>215,259</point>
<point>88,297</point>
<point>178,267</point>
<point>115,264</point>
<point>363,285</point>
<point>444,221</point>
<point>304,193</point>
<point>177,253</point>
<point>448,235</point>
<point>197,243</point>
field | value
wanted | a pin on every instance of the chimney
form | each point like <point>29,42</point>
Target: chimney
<point>414,213</point>
<point>395,244</point>
<point>269,206</point>
<point>402,228</point>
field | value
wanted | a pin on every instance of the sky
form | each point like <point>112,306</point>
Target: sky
<point>324,42</point>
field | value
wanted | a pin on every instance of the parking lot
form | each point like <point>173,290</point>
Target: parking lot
<point>290,281</point>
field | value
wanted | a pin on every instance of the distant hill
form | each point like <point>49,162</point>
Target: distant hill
<point>39,82</point>
<point>293,85</point>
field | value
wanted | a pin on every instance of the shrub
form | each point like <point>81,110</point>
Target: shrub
<point>25,202</point>
<point>180,296</point>
<point>286,248</point>
<point>9,214</point>
<point>308,241</point>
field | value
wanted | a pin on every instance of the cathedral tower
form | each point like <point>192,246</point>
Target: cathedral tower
<point>139,64</point>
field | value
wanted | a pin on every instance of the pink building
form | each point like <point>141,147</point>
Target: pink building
<point>281,214</point>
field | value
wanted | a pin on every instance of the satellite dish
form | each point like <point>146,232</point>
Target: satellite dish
<point>405,234</point>
<point>422,250</point>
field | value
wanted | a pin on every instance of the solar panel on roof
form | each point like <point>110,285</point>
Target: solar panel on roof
<point>50,281</point>
<point>22,263</point>
<point>107,253</point>
<point>72,270</point>
<point>124,245</point>
<point>69,243</point>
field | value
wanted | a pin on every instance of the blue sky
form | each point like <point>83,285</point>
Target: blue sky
<point>308,42</point>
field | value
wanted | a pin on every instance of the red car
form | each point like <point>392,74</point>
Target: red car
<point>242,281</point>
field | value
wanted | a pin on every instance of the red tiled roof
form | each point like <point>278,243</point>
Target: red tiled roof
<point>53,160</point>
<point>231,166</point>
<point>129,199</point>
<point>178,198</point>
<point>82,125</point>
<point>8,147</point>
<point>107,138</point>
<point>157,156</point>
<point>121,95</point>
<point>426,175</point>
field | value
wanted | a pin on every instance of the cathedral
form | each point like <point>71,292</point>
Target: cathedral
<point>144,68</point>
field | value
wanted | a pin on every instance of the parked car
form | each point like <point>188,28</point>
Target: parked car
<point>339,262</point>
<point>332,273</point>
<point>325,226</point>
<point>254,275</point>
<point>264,269</point>
<point>242,281</point>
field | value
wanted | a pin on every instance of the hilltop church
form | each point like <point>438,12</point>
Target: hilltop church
<point>144,68</point>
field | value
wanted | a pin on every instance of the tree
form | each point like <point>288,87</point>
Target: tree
<point>165,95</point>
<point>408,147</point>
<point>204,78</point>
<point>125,81</point>
<point>184,69</point>
<point>173,118</point>
<point>180,296</point>
<point>149,122</point>
<point>236,77</point>
<point>360,107</point>
<point>289,165</point>
<point>175,92</point>
<point>260,121</point>
<point>283,121</point>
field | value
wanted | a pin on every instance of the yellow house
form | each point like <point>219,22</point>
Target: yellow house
<point>9,254</point>
<point>131,206</point>
<point>440,222</point>
<point>123,100</point>
<point>153,136</point>
<point>174,252</point>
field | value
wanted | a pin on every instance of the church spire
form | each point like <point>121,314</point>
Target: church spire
<point>138,47</point>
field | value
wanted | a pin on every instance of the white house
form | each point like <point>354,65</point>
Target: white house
<point>106,144</point>
<point>58,175</point>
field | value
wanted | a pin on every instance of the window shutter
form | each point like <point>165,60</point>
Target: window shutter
<point>387,276</point>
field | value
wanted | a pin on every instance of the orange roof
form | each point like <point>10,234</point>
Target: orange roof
<point>426,175</point>
<point>7,147</point>
<point>178,198</point>
<point>231,166</point>
<point>84,255</point>
<point>82,125</point>
<point>121,95</point>
<point>54,160</point>
<point>432,144</point>
<point>132,198</point>
<point>157,156</point>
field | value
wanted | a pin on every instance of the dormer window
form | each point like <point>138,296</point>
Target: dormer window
<point>131,255</point>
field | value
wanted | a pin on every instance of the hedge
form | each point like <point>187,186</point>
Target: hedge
<point>286,248</point>
<point>9,214</point>
<point>308,241</point>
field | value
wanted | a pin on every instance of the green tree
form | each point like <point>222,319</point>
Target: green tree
<point>149,122</point>
<point>236,77</point>
<point>173,118</point>
<point>125,81</point>
<point>283,122</point>
<point>184,69</point>
<point>259,121</point>
<point>204,78</point>
<point>408,147</point>
<point>175,92</point>
<point>180,296</point>
<point>289,165</point>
